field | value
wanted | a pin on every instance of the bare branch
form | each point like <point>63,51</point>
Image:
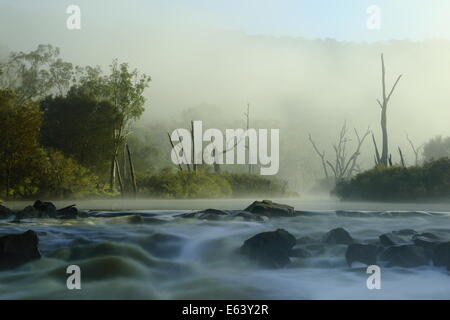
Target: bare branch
<point>393,88</point>
<point>321,155</point>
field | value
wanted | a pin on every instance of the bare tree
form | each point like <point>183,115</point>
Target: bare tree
<point>383,105</point>
<point>415,150</point>
<point>344,164</point>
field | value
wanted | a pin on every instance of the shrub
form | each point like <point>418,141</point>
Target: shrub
<point>430,181</point>
<point>170,183</point>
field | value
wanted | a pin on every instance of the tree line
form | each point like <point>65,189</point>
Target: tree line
<point>63,125</point>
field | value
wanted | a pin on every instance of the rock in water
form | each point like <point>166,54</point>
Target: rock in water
<point>338,236</point>
<point>364,253</point>
<point>4,212</point>
<point>406,256</point>
<point>70,212</point>
<point>270,209</point>
<point>208,214</point>
<point>46,209</point>
<point>270,249</point>
<point>441,255</point>
<point>392,239</point>
<point>17,249</point>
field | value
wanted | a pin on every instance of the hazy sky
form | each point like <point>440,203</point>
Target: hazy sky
<point>341,20</point>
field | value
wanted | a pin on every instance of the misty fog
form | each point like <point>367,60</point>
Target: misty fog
<point>297,85</point>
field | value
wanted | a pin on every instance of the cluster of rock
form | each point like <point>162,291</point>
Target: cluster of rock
<point>17,249</point>
<point>404,248</point>
<point>259,211</point>
<point>42,209</point>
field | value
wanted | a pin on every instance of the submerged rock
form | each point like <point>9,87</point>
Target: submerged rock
<point>215,214</point>
<point>17,249</point>
<point>5,212</point>
<point>363,253</point>
<point>45,209</point>
<point>39,209</point>
<point>338,236</point>
<point>300,253</point>
<point>248,216</point>
<point>406,256</point>
<point>270,249</point>
<point>354,214</point>
<point>28,212</point>
<point>441,255</point>
<point>391,239</point>
<point>305,240</point>
<point>70,212</point>
<point>270,209</point>
<point>208,214</point>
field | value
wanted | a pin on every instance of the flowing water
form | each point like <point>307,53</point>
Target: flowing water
<point>122,257</point>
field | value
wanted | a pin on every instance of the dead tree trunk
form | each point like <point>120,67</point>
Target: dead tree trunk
<point>112,174</point>
<point>377,153</point>
<point>194,165</point>
<point>119,177</point>
<point>133,177</point>
<point>402,159</point>
<point>344,165</point>
<point>176,153</point>
<point>247,115</point>
<point>415,150</point>
<point>383,105</point>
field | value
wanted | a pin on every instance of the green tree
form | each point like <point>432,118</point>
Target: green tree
<point>36,74</point>
<point>436,148</point>
<point>20,123</point>
<point>81,127</point>
<point>124,89</point>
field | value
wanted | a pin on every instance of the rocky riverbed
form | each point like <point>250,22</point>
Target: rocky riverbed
<point>265,250</point>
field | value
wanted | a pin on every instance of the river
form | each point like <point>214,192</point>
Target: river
<point>195,259</point>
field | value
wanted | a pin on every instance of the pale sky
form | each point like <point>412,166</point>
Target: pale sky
<point>339,19</point>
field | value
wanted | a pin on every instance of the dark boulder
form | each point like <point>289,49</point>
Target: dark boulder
<point>405,232</point>
<point>270,209</point>
<point>300,253</point>
<point>392,239</point>
<point>364,253</point>
<point>406,256</point>
<point>17,249</point>
<point>270,249</point>
<point>338,236</point>
<point>305,240</point>
<point>441,255</point>
<point>4,212</point>
<point>46,209</point>
<point>28,212</point>
<point>248,216</point>
<point>208,214</point>
<point>70,212</point>
<point>425,243</point>
<point>426,240</point>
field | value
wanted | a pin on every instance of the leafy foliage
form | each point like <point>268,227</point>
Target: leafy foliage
<point>80,127</point>
<point>20,123</point>
<point>35,74</point>
<point>170,183</point>
<point>430,181</point>
<point>437,148</point>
